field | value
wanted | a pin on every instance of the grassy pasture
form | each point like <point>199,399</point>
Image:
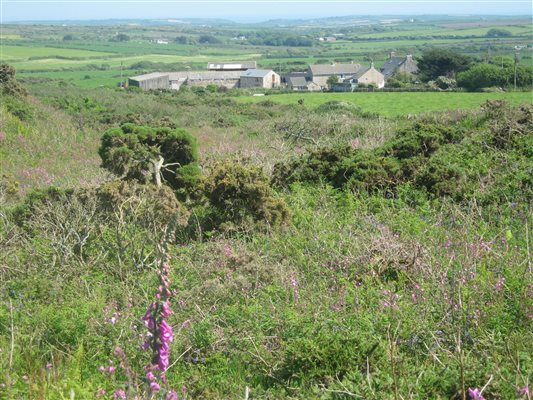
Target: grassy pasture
<point>19,53</point>
<point>433,31</point>
<point>398,103</point>
<point>51,64</point>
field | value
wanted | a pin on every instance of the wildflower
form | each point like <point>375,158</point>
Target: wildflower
<point>118,351</point>
<point>101,368</point>
<point>49,366</point>
<point>154,387</point>
<point>172,395</point>
<point>150,376</point>
<point>475,394</point>
<point>111,370</point>
<point>524,391</point>
<point>100,392</point>
<point>499,285</point>
<point>165,309</point>
<point>119,394</point>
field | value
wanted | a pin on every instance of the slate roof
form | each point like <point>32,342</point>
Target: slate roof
<point>140,78</point>
<point>390,66</point>
<point>334,69</point>
<point>257,73</point>
<point>297,81</point>
<point>204,75</point>
<point>361,72</point>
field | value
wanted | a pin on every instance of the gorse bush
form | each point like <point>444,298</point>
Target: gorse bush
<point>462,160</point>
<point>240,194</point>
<point>148,154</point>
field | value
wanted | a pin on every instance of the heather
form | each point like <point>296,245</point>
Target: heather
<point>296,253</point>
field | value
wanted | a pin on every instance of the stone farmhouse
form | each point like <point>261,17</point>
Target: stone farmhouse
<point>298,81</point>
<point>398,64</point>
<point>265,78</point>
<point>349,77</point>
<point>319,73</point>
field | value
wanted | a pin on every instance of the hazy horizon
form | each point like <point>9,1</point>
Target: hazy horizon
<point>240,11</point>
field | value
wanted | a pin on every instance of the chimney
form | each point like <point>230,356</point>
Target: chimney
<point>392,54</point>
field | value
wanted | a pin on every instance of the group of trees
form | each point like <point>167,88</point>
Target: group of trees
<point>439,65</point>
<point>270,39</point>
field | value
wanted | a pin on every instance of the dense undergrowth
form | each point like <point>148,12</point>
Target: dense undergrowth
<point>394,268</point>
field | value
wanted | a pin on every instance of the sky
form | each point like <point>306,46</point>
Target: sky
<point>247,11</point>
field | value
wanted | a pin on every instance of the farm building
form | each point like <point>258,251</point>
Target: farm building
<point>300,83</point>
<point>369,76</point>
<point>264,78</point>
<point>155,80</point>
<point>398,64</point>
<point>228,79</point>
<point>319,73</point>
<point>231,66</point>
<point>174,80</point>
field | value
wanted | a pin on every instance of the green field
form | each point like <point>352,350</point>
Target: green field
<point>436,32</point>
<point>18,53</point>
<point>398,103</point>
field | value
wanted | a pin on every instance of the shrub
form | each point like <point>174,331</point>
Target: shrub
<point>240,194</point>
<point>147,154</point>
<point>420,139</point>
<point>319,165</point>
<point>151,204</point>
<point>8,83</point>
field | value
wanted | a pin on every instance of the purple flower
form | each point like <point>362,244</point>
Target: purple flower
<point>172,395</point>
<point>149,320</point>
<point>119,394</point>
<point>101,368</point>
<point>49,366</point>
<point>150,376</point>
<point>118,351</point>
<point>111,370</point>
<point>475,394</point>
<point>166,332</point>
<point>154,387</point>
<point>165,309</point>
<point>524,391</point>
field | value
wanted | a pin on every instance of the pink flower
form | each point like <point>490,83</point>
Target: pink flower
<point>154,387</point>
<point>119,394</point>
<point>49,366</point>
<point>150,376</point>
<point>165,309</point>
<point>172,395</point>
<point>475,394</point>
<point>118,351</point>
<point>166,331</point>
<point>101,368</point>
<point>100,392</point>
<point>524,391</point>
<point>111,370</point>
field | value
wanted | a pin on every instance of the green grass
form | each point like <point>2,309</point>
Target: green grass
<point>398,103</point>
<point>435,31</point>
<point>16,53</point>
<point>51,64</point>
